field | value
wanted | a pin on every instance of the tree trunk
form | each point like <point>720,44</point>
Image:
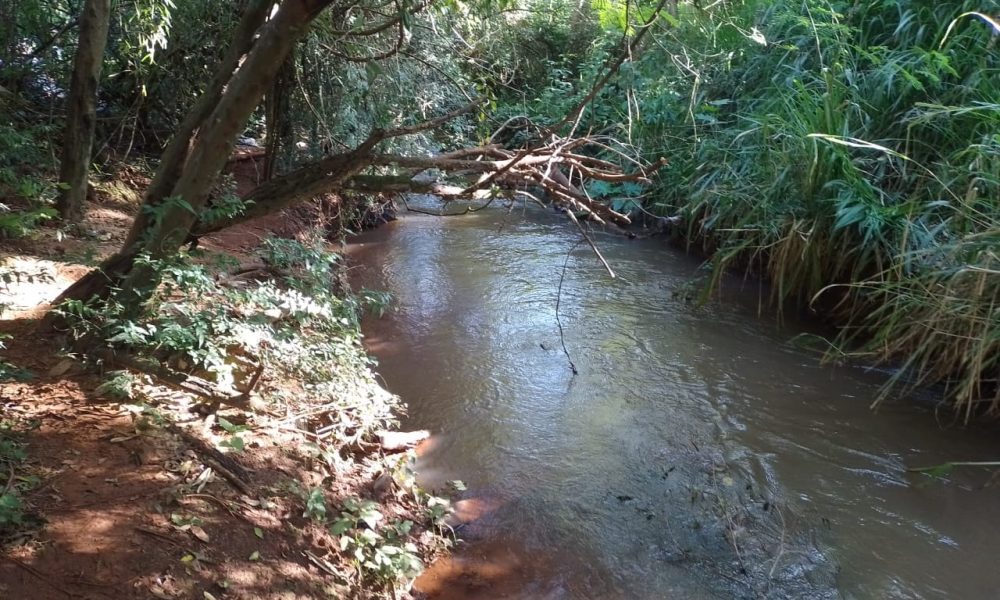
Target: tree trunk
<point>195,156</point>
<point>193,161</point>
<point>278,125</point>
<point>176,152</point>
<point>81,116</point>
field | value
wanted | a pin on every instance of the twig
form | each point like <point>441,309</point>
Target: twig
<point>158,535</point>
<point>562,337</point>
<point>220,503</point>
<point>10,480</point>
<point>229,475</point>
<point>47,580</point>
<point>255,379</point>
<point>323,565</point>
<point>468,209</point>
<point>574,114</point>
<point>179,381</point>
<point>593,246</point>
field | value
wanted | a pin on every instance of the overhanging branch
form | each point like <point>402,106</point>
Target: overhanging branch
<point>560,168</point>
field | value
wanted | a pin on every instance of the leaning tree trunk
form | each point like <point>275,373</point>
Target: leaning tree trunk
<point>193,160</point>
<point>81,115</point>
<point>175,154</point>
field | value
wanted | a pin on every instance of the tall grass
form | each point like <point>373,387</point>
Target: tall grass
<point>864,172</point>
<point>848,151</point>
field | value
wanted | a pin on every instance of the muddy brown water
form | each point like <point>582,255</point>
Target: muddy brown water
<point>699,453</point>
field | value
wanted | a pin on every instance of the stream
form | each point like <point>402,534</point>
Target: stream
<point>699,453</point>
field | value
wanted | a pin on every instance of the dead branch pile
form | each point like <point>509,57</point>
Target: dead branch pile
<point>558,168</point>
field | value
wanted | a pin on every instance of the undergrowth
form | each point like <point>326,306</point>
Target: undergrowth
<point>15,517</point>
<point>290,320</point>
<point>27,194</point>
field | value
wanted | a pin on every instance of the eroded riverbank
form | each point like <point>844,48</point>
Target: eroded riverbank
<point>699,453</point>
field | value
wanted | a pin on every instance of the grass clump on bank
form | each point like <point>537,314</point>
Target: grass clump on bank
<point>848,152</point>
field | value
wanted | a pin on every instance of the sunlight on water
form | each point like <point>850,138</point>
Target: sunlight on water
<point>698,453</point>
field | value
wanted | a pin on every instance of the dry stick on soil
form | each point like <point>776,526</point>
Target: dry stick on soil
<point>226,466</point>
<point>229,475</point>
<point>10,480</point>
<point>158,535</point>
<point>46,579</point>
<point>220,502</point>
<point>185,383</point>
<point>323,565</point>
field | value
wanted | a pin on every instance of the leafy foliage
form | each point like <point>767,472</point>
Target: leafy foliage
<point>383,552</point>
<point>293,321</point>
<point>846,151</point>
<point>14,514</point>
<point>26,195</point>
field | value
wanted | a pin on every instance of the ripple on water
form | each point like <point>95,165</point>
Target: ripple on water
<point>698,453</point>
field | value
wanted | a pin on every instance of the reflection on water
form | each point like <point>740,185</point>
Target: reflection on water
<point>698,453</point>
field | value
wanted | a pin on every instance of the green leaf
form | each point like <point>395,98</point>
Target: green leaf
<point>236,443</point>
<point>341,526</point>
<point>316,505</point>
<point>368,536</point>
<point>370,515</point>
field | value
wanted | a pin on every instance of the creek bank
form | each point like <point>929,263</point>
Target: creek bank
<point>292,495</point>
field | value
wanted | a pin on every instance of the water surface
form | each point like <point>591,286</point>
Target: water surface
<point>699,452</point>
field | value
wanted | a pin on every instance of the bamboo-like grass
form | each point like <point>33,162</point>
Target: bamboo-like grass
<point>860,166</point>
<point>847,151</point>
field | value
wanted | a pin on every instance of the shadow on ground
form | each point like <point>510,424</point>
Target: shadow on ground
<point>115,493</point>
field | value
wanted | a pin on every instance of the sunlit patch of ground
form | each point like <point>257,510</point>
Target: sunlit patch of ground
<point>31,283</point>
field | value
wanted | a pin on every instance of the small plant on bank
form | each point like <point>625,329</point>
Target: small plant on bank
<point>234,442</point>
<point>385,552</point>
<point>380,551</point>
<point>119,385</point>
<point>14,516</point>
<point>12,455</point>
<point>299,327</point>
<point>10,371</point>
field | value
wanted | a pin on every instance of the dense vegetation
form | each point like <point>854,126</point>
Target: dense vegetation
<point>847,151</point>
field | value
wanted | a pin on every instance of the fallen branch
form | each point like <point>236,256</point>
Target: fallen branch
<point>231,477</point>
<point>46,579</point>
<point>468,210</point>
<point>562,336</point>
<point>593,246</point>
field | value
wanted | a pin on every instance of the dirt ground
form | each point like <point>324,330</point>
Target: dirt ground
<point>115,493</point>
<point>132,504</point>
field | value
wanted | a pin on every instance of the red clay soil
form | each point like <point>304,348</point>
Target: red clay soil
<point>109,486</point>
<point>128,506</point>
